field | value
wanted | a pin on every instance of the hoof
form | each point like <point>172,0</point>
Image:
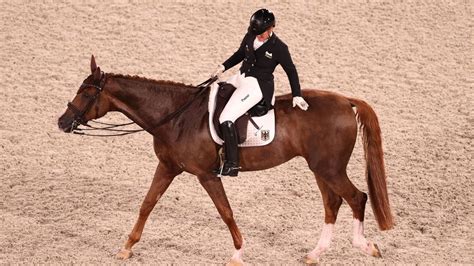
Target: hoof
<point>370,249</point>
<point>310,261</point>
<point>374,250</point>
<point>124,254</point>
<point>235,262</point>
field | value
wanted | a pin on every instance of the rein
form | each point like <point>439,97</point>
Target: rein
<point>108,127</point>
<point>113,127</point>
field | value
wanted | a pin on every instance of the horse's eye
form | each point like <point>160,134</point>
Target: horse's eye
<point>85,95</point>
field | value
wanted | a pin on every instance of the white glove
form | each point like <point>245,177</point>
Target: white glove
<point>220,69</point>
<point>302,104</point>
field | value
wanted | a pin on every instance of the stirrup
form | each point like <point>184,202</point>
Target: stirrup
<point>219,169</point>
<point>229,171</point>
<point>226,171</point>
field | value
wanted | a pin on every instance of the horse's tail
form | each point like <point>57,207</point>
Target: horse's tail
<point>375,169</point>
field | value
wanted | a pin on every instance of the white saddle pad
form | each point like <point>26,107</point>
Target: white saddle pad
<point>255,137</point>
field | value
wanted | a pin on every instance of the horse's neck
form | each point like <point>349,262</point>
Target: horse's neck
<point>146,102</point>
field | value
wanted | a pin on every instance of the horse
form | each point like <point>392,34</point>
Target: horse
<point>176,115</point>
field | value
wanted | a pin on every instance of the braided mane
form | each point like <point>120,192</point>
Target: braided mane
<point>160,82</point>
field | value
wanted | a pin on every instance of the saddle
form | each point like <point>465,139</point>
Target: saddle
<point>223,95</point>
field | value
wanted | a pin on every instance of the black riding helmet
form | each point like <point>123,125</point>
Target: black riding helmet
<point>260,21</point>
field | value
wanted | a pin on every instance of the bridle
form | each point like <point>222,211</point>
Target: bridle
<point>79,114</point>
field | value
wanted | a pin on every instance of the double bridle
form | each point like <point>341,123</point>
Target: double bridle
<point>79,114</point>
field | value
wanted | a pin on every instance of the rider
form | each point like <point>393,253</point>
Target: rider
<point>261,51</point>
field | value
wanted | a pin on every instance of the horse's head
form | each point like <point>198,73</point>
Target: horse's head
<point>88,103</point>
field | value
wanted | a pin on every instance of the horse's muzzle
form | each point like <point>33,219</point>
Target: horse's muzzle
<point>67,125</point>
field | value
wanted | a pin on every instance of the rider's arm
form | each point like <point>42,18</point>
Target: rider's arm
<point>290,69</point>
<point>237,57</point>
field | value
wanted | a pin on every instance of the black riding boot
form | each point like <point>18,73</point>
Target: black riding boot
<point>231,162</point>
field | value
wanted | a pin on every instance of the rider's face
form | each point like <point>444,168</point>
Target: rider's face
<point>262,37</point>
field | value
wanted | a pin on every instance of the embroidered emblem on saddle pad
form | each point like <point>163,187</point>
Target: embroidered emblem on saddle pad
<point>265,134</point>
<point>255,130</point>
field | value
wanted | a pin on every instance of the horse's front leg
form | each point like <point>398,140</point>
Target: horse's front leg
<point>215,189</point>
<point>163,177</point>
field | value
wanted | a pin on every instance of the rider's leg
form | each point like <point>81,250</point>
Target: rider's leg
<point>231,163</point>
<point>246,95</point>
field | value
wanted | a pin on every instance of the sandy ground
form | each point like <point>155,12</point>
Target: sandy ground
<point>71,199</point>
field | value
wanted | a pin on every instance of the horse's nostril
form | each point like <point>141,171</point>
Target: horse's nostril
<point>61,123</point>
<point>64,124</point>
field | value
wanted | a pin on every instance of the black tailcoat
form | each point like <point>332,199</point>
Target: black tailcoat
<point>262,62</point>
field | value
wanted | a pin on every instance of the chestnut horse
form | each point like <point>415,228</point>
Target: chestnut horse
<point>324,135</point>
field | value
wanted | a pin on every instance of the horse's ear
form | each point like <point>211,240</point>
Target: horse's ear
<point>97,73</point>
<point>93,64</point>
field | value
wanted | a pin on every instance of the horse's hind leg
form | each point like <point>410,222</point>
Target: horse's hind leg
<point>341,185</point>
<point>215,189</point>
<point>332,202</point>
<point>163,178</point>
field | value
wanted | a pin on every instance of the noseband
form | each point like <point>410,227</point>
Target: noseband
<point>78,113</point>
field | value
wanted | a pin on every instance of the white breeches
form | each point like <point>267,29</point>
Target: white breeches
<point>246,95</point>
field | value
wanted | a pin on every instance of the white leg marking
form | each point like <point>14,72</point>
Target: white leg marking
<point>323,243</point>
<point>358,236</point>
<point>237,257</point>
<point>359,240</point>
